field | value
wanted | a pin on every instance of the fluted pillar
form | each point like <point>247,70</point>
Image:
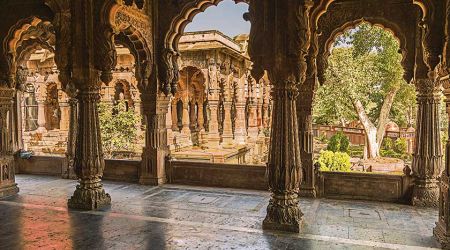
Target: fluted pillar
<point>89,160</point>
<point>41,114</point>
<point>174,113</point>
<point>155,108</point>
<point>8,184</point>
<point>69,173</point>
<point>65,113</point>
<point>200,117</point>
<point>284,165</point>
<point>442,229</point>
<point>185,119</point>
<point>227,134</point>
<point>306,137</point>
<point>427,161</point>
<point>213,134</point>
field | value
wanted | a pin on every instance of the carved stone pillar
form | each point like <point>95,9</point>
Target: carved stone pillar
<point>41,115</point>
<point>442,229</point>
<point>427,161</point>
<point>252,112</point>
<point>200,117</point>
<point>185,120</point>
<point>8,184</point>
<point>240,133</point>
<point>284,165</point>
<point>65,113</point>
<point>306,137</point>
<point>227,134</point>
<point>213,134</point>
<point>69,172</point>
<point>88,161</point>
<point>169,124</point>
<point>192,116</point>
<point>174,112</point>
<point>152,171</point>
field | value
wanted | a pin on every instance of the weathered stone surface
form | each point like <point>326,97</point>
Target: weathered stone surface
<point>174,217</point>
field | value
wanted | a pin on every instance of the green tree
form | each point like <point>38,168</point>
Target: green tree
<point>118,128</point>
<point>362,81</point>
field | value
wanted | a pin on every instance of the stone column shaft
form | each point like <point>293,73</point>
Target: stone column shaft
<point>213,134</point>
<point>155,151</point>
<point>89,160</point>
<point>174,111</point>
<point>227,134</point>
<point>69,173</point>
<point>185,119</point>
<point>8,184</point>
<point>306,137</point>
<point>41,115</point>
<point>427,161</point>
<point>201,119</point>
<point>284,165</point>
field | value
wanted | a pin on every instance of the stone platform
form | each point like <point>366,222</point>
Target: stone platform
<point>180,217</point>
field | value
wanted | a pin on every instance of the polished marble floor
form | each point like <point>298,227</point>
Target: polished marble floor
<point>180,217</point>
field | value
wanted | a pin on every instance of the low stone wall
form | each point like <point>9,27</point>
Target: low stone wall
<point>115,170</point>
<point>365,186</point>
<point>41,165</point>
<point>217,175</point>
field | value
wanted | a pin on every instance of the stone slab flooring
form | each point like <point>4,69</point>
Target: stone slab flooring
<point>180,217</point>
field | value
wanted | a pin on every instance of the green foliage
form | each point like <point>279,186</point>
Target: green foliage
<point>322,138</point>
<point>401,146</point>
<point>388,144</point>
<point>356,151</point>
<point>334,161</point>
<point>364,65</point>
<point>338,143</point>
<point>118,128</point>
<point>395,148</point>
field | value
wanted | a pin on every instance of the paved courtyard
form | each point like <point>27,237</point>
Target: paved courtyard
<point>180,217</point>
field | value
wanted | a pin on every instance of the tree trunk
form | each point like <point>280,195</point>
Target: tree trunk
<point>370,129</point>
<point>384,114</point>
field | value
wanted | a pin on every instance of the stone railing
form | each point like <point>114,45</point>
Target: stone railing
<point>217,175</point>
<point>115,170</point>
<point>365,186</point>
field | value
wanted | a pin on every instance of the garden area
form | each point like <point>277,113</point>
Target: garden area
<point>363,89</point>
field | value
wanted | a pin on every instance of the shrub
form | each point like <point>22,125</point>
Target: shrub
<point>388,144</point>
<point>338,143</point>
<point>401,146</point>
<point>117,127</point>
<point>334,161</point>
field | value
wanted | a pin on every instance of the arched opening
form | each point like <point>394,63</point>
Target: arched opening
<point>364,113</point>
<point>119,111</point>
<point>221,109</point>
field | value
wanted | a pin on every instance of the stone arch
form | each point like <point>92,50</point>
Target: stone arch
<point>123,86</point>
<point>426,7</point>
<point>325,44</point>
<point>169,65</point>
<point>129,25</point>
<point>187,14</point>
<point>25,35</point>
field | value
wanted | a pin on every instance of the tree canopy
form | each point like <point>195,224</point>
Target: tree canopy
<point>364,81</point>
<point>365,65</point>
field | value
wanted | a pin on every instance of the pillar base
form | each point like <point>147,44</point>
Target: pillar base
<point>442,236</point>
<point>152,181</point>
<point>8,190</point>
<point>283,214</point>
<point>89,195</point>
<point>426,193</point>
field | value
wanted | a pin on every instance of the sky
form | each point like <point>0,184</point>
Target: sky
<point>226,17</point>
